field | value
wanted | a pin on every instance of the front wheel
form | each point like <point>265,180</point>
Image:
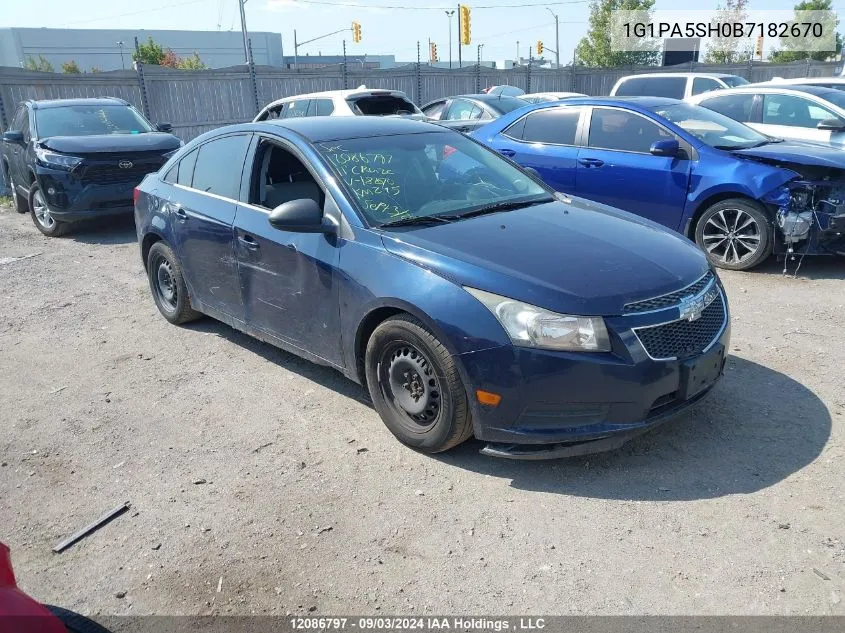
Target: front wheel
<point>735,234</point>
<point>167,283</point>
<point>41,216</point>
<point>17,201</point>
<point>415,386</point>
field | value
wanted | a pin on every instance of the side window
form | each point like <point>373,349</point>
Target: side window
<point>737,107</point>
<point>296,109</point>
<point>672,87</point>
<point>272,113</point>
<point>25,126</point>
<point>278,176</point>
<point>793,111</point>
<point>324,107</point>
<point>555,125</point>
<point>185,174</point>
<point>704,84</point>
<point>462,110</point>
<point>17,121</point>
<point>219,165</point>
<point>623,131</point>
<point>435,110</point>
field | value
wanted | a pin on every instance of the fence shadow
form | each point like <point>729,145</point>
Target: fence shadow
<point>756,428</point>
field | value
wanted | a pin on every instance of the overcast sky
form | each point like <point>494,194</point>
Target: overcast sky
<point>385,30</point>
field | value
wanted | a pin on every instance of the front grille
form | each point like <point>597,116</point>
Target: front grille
<point>110,173</point>
<point>683,339</point>
<point>665,301</point>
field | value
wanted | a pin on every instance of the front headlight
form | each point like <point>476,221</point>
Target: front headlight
<point>57,161</point>
<point>530,326</point>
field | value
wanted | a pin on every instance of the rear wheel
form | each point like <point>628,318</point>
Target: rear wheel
<point>735,234</point>
<point>19,203</point>
<point>40,212</point>
<point>415,386</point>
<point>167,284</point>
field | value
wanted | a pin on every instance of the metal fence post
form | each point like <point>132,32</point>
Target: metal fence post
<point>253,79</point>
<point>142,84</point>
<point>343,69</point>
<point>419,76</point>
<point>528,75</point>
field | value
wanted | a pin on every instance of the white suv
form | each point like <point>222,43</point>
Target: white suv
<point>673,85</point>
<point>357,102</point>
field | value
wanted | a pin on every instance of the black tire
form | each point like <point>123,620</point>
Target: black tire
<point>430,411</point>
<point>735,234</point>
<point>40,213</point>
<point>167,283</point>
<point>20,204</point>
<point>75,622</point>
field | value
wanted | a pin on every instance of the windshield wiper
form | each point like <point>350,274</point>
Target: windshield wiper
<point>496,207</point>
<point>417,219</point>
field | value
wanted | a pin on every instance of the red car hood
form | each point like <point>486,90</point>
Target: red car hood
<point>19,612</point>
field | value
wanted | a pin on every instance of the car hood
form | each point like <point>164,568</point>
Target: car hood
<point>578,257</point>
<point>110,143</point>
<point>810,154</point>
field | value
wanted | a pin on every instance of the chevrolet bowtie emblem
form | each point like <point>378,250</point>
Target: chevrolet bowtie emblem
<point>693,307</point>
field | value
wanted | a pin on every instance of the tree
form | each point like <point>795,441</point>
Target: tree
<point>94,69</point>
<point>788,52</point>
<point>41,64</point>
<point>71,68</point>
<point>192,63</point>
<point>594,49</point>
<point>149,53</point>
<point>729,50</point>
<point>170,60</point>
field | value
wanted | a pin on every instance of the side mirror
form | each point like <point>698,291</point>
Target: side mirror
<point>667,147</point>
<point>13,137</point>
<point>833,124</point>
<point>164,127</point>
<point>298,216</point>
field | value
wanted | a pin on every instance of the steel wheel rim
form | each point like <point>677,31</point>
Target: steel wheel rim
<point>42,212</point>
<point>165,284</point>
<point>732,236</point>
<point>410,386</point>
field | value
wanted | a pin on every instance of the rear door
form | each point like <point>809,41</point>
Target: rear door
<point>616,168</point>
<point>545,140</point>
<point>203,213</point>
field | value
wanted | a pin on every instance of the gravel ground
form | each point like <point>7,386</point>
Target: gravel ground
<point>261,483</point>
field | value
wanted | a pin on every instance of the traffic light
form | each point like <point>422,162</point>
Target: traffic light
<point>432,53</point>
<point>356,32</point>
<point>465,26</point>
<point>539,47</point>
<point>759,49</point>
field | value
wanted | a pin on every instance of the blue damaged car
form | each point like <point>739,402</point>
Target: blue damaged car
<point>739,194</point>
<point>469,302</point>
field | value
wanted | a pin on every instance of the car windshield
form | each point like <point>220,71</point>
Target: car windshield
<point>713,128</point>
<point>420,177</point>
<point>88,120</point>
<point>733,81</point>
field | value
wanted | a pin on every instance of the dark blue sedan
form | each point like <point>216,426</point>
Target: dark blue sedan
<point>739,194</point>
<point>471,301</point>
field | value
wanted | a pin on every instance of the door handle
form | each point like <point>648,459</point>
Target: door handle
<point>179,212</point>
<point>507,152</point>
<point>590,162</point>
<point>248,242</point>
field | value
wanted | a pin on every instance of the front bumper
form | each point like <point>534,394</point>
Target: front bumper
<point>73,200</point>
<point>561,404</point>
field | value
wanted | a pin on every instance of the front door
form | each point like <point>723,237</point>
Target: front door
<point>288,280</point>
<point>203,216</point>
<point>793,117</point>
<point>616,168</point>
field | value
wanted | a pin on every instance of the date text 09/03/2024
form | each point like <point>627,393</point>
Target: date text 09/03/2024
<point>429,623</point>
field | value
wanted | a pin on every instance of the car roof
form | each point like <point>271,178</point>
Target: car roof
<point>819,91</point>
<point>340,94</point>
<point>642,102</point>
<point>805,80</point>
<point>688,74</point>
<point>318,129</point>
<point>62,103</point>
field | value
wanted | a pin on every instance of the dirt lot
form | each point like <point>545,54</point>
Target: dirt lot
<point>261,483</point>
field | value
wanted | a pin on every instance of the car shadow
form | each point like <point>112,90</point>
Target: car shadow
<point>756,428</point>
<point>114,230</point>
<point>813,267</point>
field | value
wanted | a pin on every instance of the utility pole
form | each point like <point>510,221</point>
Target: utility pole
<point>517,51</point>
<point>460,62</point>
<point>557,37</point>
<point>449,14</point>
<point>120,45</point>
<point>247,58</point>
<point>295,54</point>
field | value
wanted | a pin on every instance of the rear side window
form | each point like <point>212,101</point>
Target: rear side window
<point>435,110</point>
<point>624,131</point>
<point>219,166</point>
<point>555,126</point>
<point>296,109</point>
<point>736,107</point>
<point>324,107</point>
<point>672,87</point>
<point>185,169</point>
<point>381,105</point>
<point>461,110</point>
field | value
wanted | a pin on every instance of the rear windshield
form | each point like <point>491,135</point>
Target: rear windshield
<point>503,105</point>
<point>733,81</point>
<point>88,120</point>
<point>382,105</point>
<point>672,87</point>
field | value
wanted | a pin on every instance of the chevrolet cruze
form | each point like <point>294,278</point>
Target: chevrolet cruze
<point>470,301</point>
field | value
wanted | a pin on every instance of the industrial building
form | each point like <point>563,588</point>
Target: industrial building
<point>111,49</point>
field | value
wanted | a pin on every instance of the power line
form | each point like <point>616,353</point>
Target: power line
<point>355,5</point>
<point>123,15</point>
